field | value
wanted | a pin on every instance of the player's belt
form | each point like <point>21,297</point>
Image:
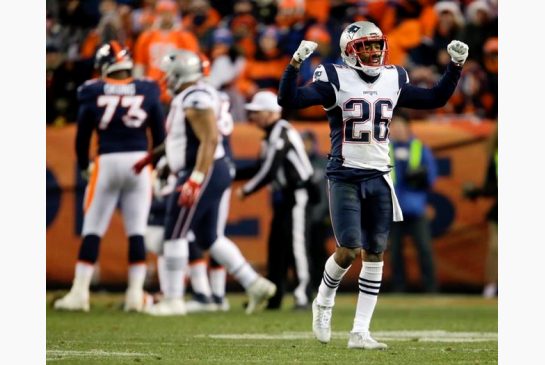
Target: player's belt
<point>335,158</point>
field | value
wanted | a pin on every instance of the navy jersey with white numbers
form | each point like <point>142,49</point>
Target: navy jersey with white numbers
<point>120,111</point>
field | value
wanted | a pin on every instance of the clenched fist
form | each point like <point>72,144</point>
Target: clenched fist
<point>305,49</point>
<point>458,52</point>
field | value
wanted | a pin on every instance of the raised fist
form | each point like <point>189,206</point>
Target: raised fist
<point>458,52</point>
<point>305,49</point>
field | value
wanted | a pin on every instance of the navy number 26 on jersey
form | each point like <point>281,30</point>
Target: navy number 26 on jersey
<point>367,120</point>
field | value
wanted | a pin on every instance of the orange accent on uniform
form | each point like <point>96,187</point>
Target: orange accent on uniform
<point>217,268</point>
<point>152,45</point>
<point>85,263</point>
<point>92,186</point>
<point>109,80</point>
<point>198,261</point>
<point>91,43</point>
<point>117,49</point>
<point>143,262</point>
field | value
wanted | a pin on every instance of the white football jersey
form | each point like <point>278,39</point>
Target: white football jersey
<point>359,127</point>
<point>181,142</point>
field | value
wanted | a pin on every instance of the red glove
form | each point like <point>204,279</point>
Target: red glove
<point>140,164</point>
<point>190,190</point>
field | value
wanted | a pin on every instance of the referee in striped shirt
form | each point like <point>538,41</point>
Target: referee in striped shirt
<point>284,165</point>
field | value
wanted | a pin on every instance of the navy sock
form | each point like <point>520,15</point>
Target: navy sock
<point>88,250</point>
<point>137,249</point>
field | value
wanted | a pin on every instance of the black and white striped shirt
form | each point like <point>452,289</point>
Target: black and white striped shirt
<point>284,161</point>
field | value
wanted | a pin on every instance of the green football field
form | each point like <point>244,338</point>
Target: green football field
<point>419,329</point>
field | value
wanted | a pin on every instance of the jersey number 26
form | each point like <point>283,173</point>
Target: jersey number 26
<point>357,128</point>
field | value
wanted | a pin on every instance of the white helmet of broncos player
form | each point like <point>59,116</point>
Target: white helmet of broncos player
<point>180,67</point>
<point>353,40</point>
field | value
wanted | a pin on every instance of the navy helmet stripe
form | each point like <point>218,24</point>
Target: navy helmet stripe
<point>194,91</point>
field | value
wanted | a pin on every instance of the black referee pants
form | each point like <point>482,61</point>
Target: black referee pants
<point>288,247</point>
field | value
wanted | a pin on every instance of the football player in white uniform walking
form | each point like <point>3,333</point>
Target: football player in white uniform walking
<point>196,155</point>
<point>359,98</point>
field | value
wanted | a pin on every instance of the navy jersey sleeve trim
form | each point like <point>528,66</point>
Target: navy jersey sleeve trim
<point>332,75</point>
<point>194,91</point>
<point>291,96</point>
<point>401,76</point>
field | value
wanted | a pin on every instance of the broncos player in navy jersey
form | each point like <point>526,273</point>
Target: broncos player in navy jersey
<point>120,110</point>
<point>359,98</point>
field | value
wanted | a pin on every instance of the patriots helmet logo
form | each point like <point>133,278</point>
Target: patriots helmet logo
<point>352,30</point>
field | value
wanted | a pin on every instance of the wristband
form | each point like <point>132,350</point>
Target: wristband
<point>197,177</point>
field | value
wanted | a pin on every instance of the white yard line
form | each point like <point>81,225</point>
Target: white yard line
<point>420,336</point>
<point>66,354</point>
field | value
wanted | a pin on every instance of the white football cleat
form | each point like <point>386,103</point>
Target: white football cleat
<point>363,340</point>
<point>168,307</point>
<point>137,301</point>
<point>258,294</point>
<point>197,306</point>
<point>75,300</point>
<point>222,304</point>
<point>321,322</point>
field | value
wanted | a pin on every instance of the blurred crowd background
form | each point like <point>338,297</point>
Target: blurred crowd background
<point>249,43</point>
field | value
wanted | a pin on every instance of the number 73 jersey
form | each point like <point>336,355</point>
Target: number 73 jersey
<point>120,111</point>
<point>360,118</point>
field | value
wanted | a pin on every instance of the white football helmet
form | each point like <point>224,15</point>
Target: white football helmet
<point>353,41</point>
<point>180,67</point>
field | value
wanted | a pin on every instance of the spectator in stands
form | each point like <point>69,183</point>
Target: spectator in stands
<point>400,21</point>
<point>489,189</point>
<point>480,26</point>
<point>166,35</point>
<point>63,76</point>
<point>110,28</point>
<point>143,17</point>
<point>265,70</point>
<point>490,61</point>
<point>225,70</point>
<point>201,20</point>
<point>243,26</point>
<point>450,23</point>
<point>291,24</point>
<point>414,174</point>
<point>469,96</point>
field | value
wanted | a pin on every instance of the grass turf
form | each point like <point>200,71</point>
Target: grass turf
<point>107,335</point>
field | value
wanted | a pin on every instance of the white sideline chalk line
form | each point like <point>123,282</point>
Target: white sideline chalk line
<point>64,354</point>
<point>420,336</point>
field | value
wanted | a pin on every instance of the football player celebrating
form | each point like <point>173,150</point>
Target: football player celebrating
<point>359,98</point>
<point>119,109</point>
<point>196,155</point>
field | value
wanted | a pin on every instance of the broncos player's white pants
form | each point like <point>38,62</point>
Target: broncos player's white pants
<point>113,180</point>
